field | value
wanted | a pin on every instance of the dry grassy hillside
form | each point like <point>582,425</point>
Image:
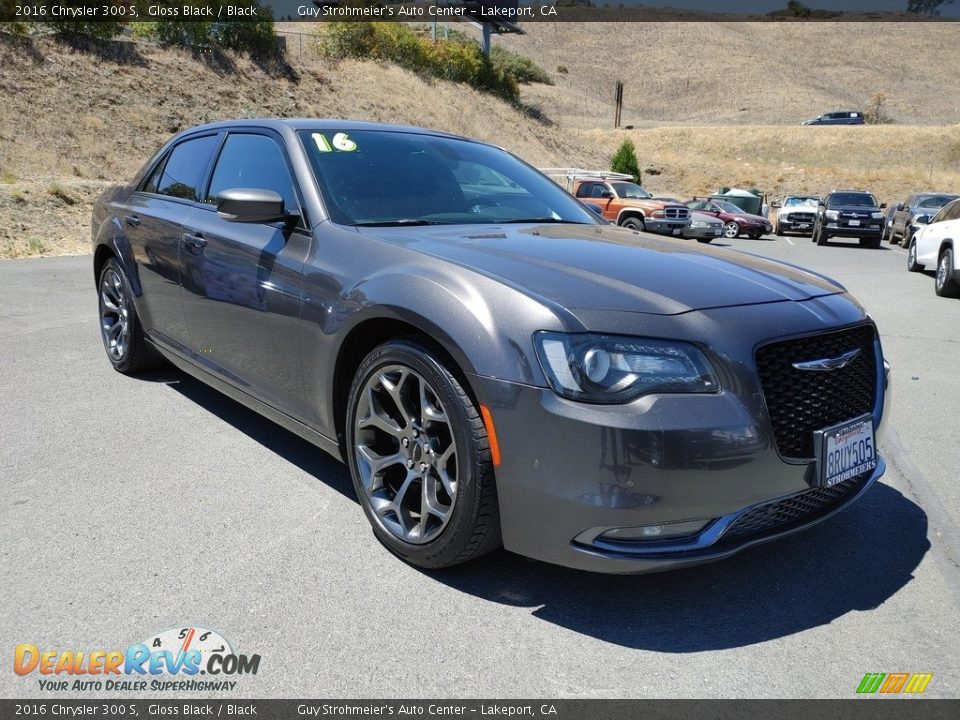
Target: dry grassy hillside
<point>71,122</point>
<point>752,73</point>
<point>74,120</point>
<point>891,161</point>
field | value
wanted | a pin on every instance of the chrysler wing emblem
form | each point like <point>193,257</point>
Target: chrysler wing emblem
<point>825,364</point>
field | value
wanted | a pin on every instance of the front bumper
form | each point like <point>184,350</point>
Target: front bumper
<point>571,471</point>
<point>703,232</point>
<point>665,227</point>
<point>800,226</point>
<point>870,231</point>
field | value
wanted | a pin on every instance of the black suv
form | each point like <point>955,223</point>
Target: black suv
<point>851,214</point>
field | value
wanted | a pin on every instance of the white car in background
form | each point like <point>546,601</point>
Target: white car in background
<point>796,214</point>
<point>937,245</point>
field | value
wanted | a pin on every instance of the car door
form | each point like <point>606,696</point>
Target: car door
<point>902,217</point>
<point>153,219</point>
<point>242,281</point>
<point>929,239</point>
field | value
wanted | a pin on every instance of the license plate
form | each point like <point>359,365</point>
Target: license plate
<point>845,451</point>
<point>678,231</point>
<point>802,226</point>
<point>718,232</point>
<point>854,223</point>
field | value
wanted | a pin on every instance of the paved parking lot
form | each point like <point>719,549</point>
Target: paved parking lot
<point>135,505</point>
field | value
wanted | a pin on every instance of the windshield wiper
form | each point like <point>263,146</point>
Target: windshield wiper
<point>406,222</point>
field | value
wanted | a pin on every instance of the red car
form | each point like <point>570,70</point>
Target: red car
<point>736,221</point>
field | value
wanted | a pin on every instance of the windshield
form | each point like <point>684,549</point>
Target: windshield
<point>377,177</point>
<point>935,201</point>
<point>801,202</point>
<point>729,207</point>
<point>629,190</point>
<point>853,199</point>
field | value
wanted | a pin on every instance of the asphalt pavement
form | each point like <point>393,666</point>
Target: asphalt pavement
<point>133,505</point>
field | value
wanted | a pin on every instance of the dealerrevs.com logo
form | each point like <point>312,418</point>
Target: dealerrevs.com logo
<point>170,660</point>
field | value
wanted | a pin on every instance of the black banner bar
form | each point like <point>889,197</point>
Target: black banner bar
<point>492,11</point>
<point>893,708</point>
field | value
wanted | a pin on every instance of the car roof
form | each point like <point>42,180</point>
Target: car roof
<point>321,124</point>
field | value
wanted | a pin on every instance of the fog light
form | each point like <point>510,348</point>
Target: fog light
<point>656,532</point>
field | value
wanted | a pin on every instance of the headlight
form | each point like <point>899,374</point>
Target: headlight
<point>614,369</point>
<point>877,215</point>
<point>698,224</point>
<point>832,214</point>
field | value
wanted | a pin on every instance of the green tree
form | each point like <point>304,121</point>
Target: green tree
<point>625,161</point>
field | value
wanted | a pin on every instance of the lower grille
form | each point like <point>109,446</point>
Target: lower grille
<point>800,507</point>
<point>802,401</point>
<point>800,217</point>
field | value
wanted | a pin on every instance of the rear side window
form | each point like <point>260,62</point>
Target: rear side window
<point>253,162</point>
<point>185,168</point>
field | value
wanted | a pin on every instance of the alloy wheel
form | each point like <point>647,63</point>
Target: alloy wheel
<point>114,315</point>
<point>942,270</point>
<point>406,454</point>
<point>731,230</point>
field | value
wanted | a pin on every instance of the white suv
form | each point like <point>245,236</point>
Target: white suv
<point>937,244</point>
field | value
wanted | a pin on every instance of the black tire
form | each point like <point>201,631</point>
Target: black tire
<point>704,239</point>
<point>634,224</point>
<point>135,355</point>
<point>885,235</point>
<point>755,236</point>
<point>473,528</point>
<point>778,231</point>
<point>906,238</point>
<point>820,237</point>
<point>912,264</point>
<point>945,284</point>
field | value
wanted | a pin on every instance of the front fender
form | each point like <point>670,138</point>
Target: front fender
<point>485,326</point>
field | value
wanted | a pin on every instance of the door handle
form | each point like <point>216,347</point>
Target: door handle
<point>194,240</point>
<point>133,220</point>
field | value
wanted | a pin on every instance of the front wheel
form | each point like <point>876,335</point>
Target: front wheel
<point>778,231</point>
<point>704,239</point>
<point>420,458</point>
<point>945,285</point>
<point>820,237</point>
<point>731,230</point>
<point>634,224</point>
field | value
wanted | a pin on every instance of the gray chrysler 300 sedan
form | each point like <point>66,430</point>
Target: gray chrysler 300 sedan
<point>495,364</point>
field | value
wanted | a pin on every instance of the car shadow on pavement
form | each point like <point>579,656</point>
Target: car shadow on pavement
<point>854,561</point>
<point>290,447</point>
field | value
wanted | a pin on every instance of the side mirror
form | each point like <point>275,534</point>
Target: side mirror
<point>883,205</point>
<point>922,219</point>
<point>899,207</point>
<point>776,204</point>
<point>606,194</point>
<point>245,205</point>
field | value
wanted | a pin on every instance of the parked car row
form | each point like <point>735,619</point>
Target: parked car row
<point>625,203</point>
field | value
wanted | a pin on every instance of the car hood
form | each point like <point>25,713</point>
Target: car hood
<point>602,267</point>
<point>858,209</point>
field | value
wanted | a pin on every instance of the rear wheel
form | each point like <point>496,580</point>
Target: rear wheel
<point>634,223</point>
<point>420,458</point>
<point>912,264</point>
<point>945,284</point>
<point>731,230</point>
<point>704,239</point>
<point>120,327</point>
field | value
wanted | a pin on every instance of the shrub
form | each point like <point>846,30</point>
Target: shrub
<point>520,67</point>
<point>256,37</point>
<point>394,42</point>
<point>625,161</point>
<point>102,30</point>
